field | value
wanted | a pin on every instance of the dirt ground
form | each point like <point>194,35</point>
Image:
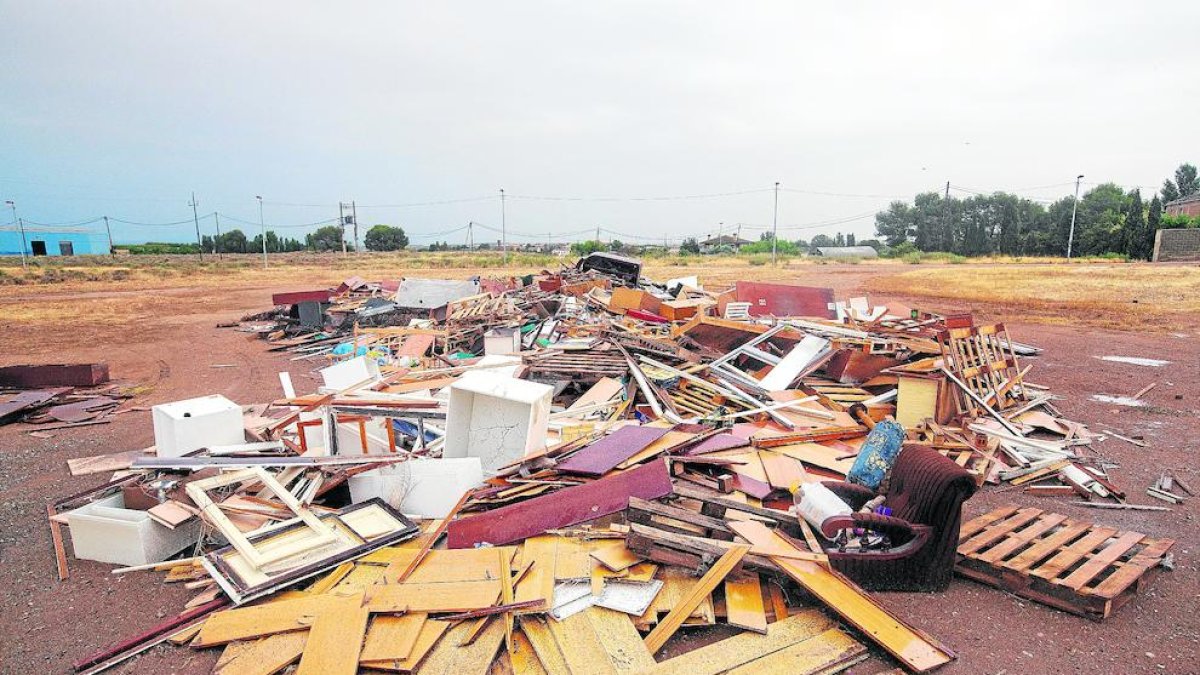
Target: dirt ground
<point>164,340</point>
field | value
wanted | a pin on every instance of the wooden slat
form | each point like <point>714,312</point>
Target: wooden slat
<point>538,584</point>
<point>391,638</point>
<point>1101,560</point>
<point>336,639</point>
<point>976,525</point>
<point>782,472</point>
<point>1039,551</point>
<point>744,648</point>
<point>580,646</point>
<point>245,623</point>
<point>615,556</point>
<point>1131,571</point>
<point>431,633</point>
<point>996,532</point>
<point>263,656</point>
<point>506,594</point>
<point>1015,540</point>
<point>1071,554</point>
<point>702,588</point>
<point>524,659</point>
<point>551,657</point>
<point>451,657</point>
<point>744,603</point>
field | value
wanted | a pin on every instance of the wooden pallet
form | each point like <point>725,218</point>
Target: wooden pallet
<point>1075,566</point>
<point>981,356</point>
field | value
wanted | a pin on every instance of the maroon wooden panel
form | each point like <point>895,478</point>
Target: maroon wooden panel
<point>561,509</point>
<point>296,297</point>
<point>28,400</point>
<point>54,375</point>
<point>717,443</point>
<point>605,454</point>
<point>768,299</point>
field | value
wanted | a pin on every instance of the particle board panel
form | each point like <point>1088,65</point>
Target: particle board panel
<point>451,657</point>
<point>620,640</point>
<point>676,582</point>
<point>615,556</point>
<point>246,623</point>
<point>431,632</point>
<point>829,652</point>
<point>580,646</point>
<point>820,456</point>
<point>605,454</point>
<point>782,471</point>
<point>744,648</point>
<point>524,660</point>
<point>539,553</point>
<point>441,566</point>
<point>670,439</point>
<point>537,631</point>
<point>459,596</point>
<point>264,656</point>
<point>336,639</point>
<point>912,648</point>
<point>391,638</point>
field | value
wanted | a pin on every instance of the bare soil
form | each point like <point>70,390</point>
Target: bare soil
<point>171,346</point>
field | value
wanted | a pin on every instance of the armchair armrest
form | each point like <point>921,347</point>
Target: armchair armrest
<point>854,495</point>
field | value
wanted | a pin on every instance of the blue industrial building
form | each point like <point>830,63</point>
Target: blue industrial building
<point>41,241</point>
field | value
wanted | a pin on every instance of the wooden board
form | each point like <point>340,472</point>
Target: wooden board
<point>1071,565</point>
<point>336,638</point>
<point>580,646</point>
<point>912,648</point>
<point>431,632</point>
<point>391,638</point>
<point>460,596</point>
<point>539,553</point>
<point>451,657</point>
<point>744,603</point>
<point>697,593</point>
<point>117,461</point>
<point>263,656</point>
<point>829,652</point>
<point>744,648</point>
<point>620,640</point>
<point>250,622</point>
<point>615,556</point>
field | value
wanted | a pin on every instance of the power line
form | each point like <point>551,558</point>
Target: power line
<point>661,198</point>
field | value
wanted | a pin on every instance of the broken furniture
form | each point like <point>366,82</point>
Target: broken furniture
<point>1072,565</point>
<point>183,426</point>
<point>105,531</point>
<point>925,492</point>
<point>497,418</point>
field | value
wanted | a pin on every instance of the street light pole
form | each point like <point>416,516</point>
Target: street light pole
<point>775,228</point>
<point>1074,208</point>
<point>262,226</point>
<point>13,205</point>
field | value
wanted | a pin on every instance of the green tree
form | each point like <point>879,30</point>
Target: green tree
<point>822,240</point>
<point>1186,183</point>
<point>233,241</point>
<point>1139,238</point>
<point>895,225</point>
<point>1100,220</point>
<point>587,247</point>
<point>385,238</point>
<point>690,245</point>
<point>328,238</point>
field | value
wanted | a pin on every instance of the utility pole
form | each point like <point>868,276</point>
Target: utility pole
<point>354,215</point>
<point>1074,208</point>
<point>262,229</point>
<point>342,224</point>
<point>199,242</point>
<point>503,228</point>
<point>945,233</point>
<point>470,235</point>
<point>775,227</point>
<point>217,241</point>
<point>112,250</point>
<point>20,225</point>
<point>737,246</point>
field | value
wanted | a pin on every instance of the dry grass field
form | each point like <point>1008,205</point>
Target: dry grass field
<point>96,292</point>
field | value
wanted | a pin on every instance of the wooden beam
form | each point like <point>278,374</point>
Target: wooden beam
<point>702,588</point>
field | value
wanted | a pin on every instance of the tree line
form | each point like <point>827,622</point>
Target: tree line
<point>328,238</point>
<point>1109,221</point>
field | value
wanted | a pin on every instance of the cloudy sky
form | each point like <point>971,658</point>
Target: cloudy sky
<point>647,119</point>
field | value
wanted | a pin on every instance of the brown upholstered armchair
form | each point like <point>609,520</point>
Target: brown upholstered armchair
<point>925,492</point>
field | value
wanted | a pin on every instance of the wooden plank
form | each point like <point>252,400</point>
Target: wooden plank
<point>245,623</point>
<point>391,637</point>
<point>1101,560</point>
<point>458,596</point>
<point>1015,540</point>
<point>700,590</point>
<point>1039,551</point>
<point>744,648</point>
<point>605,454</point>
<point>744,603</point>
<point>620,640</point>
<point>910,647</point>
<point>430,634</point>
<point>996,532</point>
<point>580,646</point>
<point>829,652</point>
<point>539,553</point>
<point>264,656</point>
<point>676,583</point>
<point>524,659</point>
<point>56,539</point>
<point>452,657</point>
<point>976,525</point>
<point>549,655</point>
<point>117,461</point>
<point>504,561</point>
<point>1071,554</point>
<point>783,472</point>
<point>336,638</point>
<point>1130,572</point>
<point>440,566</point>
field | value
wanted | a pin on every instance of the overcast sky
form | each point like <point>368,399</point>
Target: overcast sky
<point>124,108</point>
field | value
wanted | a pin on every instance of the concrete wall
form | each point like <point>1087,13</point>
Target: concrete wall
<point>1177,245</point>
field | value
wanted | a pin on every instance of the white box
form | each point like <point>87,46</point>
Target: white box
<point>184,426</point>
<point>497,418</point>
<point>501,341</point>
<point>422,487</point>
<point>108,532</point>
<point>348,373</point>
